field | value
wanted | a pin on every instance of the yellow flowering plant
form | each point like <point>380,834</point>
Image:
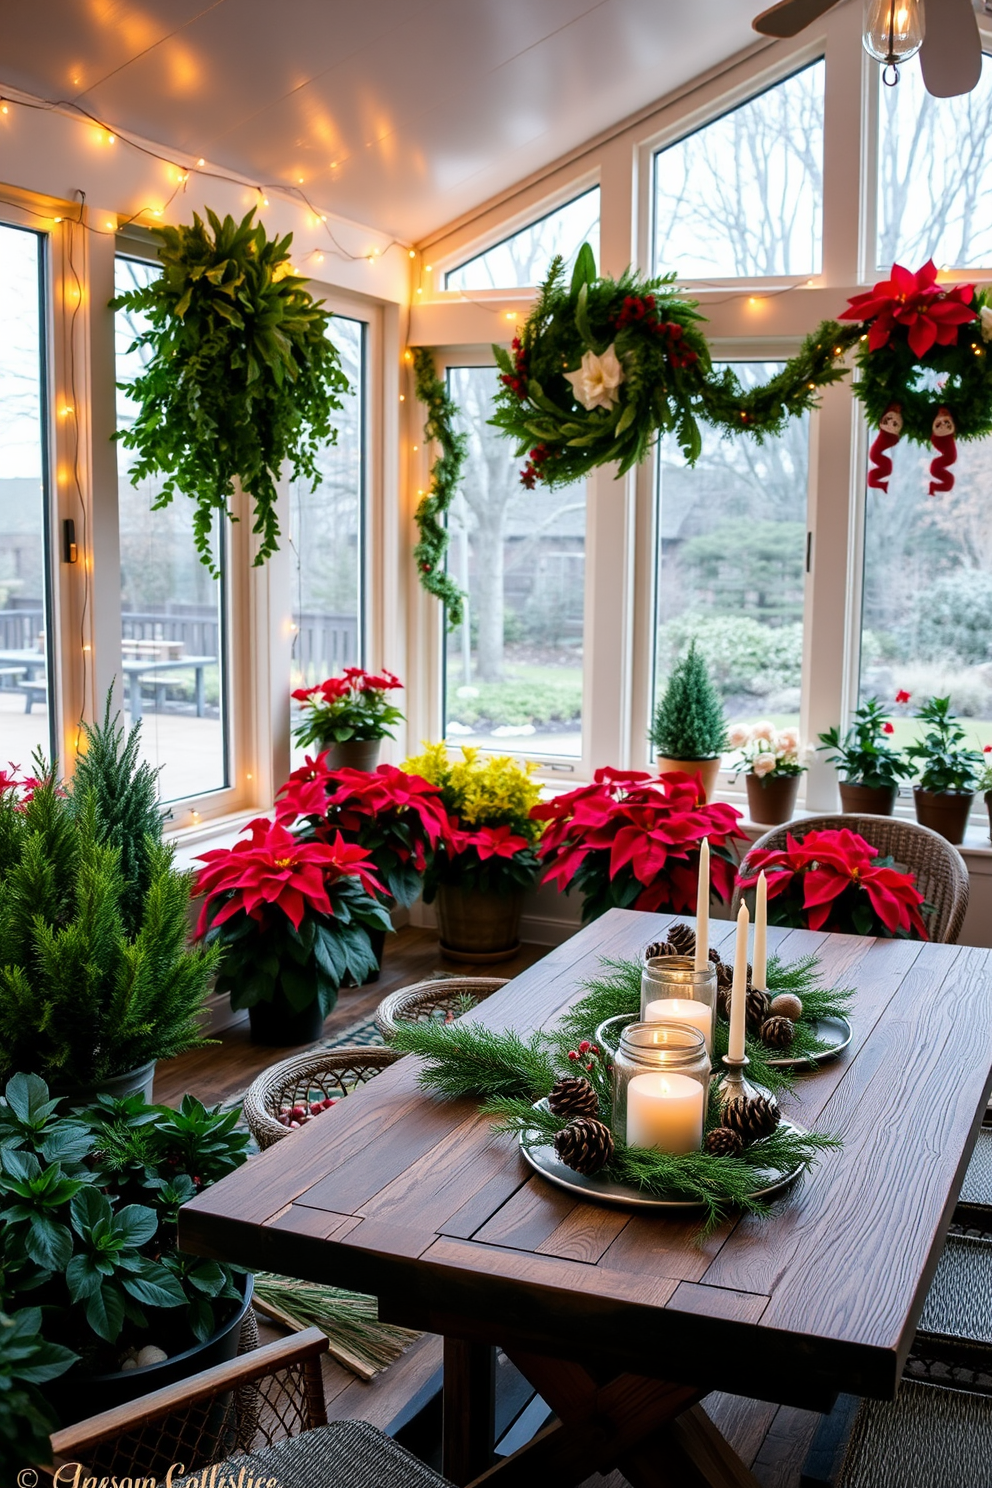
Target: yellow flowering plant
<point>493,836</point>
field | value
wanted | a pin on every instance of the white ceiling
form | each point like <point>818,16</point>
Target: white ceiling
<point>401,114</point>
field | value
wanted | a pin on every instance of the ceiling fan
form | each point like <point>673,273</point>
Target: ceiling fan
<point>950,47</point>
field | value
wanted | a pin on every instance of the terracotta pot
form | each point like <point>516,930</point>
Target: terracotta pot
<point>867,800</point>
<point>354,754</point>
<point>277,1025</point>
<point>709,769</point>
<point>771,799</point>
<point>945,812</point>
<point>137,1081</point>
<point>478,927</point>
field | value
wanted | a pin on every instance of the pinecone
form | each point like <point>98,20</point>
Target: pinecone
<point>585,1145</point>
<point>724,983</point>
<point>723,1141</point>
<point>757,1008</point>
<point>683,939</point>
<point>778,1032</point>
<point>573,1096</point>
<point>751,1119</point>
<point>659,948</point>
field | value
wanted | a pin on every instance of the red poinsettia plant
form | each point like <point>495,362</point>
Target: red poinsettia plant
<point>398,818</point>
<point>835,880</point>
<point>353,706</point>
<point>292,916</point>
<point>631,841</point>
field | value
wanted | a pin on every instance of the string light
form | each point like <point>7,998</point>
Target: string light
<point>201,161</point>
<point>413,252</point>
<point>4,109</point>
<point>402,397</point>
<point>87,647</point>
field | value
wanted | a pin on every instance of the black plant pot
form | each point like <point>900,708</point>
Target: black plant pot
<point>377,940</point>
<point>278,1025</point>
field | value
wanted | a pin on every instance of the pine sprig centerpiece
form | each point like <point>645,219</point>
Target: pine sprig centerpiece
<point>463,1059</point>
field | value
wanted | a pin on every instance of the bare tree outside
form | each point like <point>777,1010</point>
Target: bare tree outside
<point>525,257</point>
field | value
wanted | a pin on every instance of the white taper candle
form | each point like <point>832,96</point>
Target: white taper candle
<point>703,907</point>
<point>738,992</point>
<point>759,960</point>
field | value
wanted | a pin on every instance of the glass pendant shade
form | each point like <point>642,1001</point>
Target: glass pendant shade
<point>893,30</point>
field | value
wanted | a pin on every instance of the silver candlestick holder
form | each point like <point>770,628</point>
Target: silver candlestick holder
<point>733,1085</point>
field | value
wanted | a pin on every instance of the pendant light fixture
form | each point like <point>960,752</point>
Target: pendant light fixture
<point>893,32</point>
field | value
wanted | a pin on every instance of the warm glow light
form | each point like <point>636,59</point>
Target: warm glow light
<point>156,212</point>
<point>752,299</point>
<point>320,258</point>
<point>4,109</point>
<point>419,290</point>
<point>511,314</point>
<point>87,647</point>
<point>201,161</point>
<point>416,448</point>
<point>413,253</point>
<point>893,32</point>
<point>402,397</point>
<point>323,216</point>
<point>110,139</point>
<point>65,412</point>
<point>428,268</point>
<point>56,220</point>
<point>247,777</point>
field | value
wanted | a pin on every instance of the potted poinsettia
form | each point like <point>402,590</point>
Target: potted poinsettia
<point>871,768</point>
<point>486,863</point>
<point>291,919</point>
<point>836,880</point>
<point>397,817</point>
<point>770,761</point>
<point>632,841</point>
<point>949,773</point>
<point>349,716</point>
<point>689,730</point>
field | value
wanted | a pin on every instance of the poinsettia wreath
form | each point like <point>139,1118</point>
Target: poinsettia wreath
<point>925,368</point>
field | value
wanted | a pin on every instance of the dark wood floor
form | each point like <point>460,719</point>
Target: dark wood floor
<point>773,1440</point>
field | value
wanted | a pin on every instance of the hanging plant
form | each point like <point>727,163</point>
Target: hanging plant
<point>602,366</point>
<point>446,475</point>
<point>241,380</point>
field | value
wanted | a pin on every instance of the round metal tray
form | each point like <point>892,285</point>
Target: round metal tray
<point>835,1033</point>
<point>599,1190</point>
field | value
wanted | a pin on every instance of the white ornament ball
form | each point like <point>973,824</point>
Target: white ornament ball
<point>786,1005</point>
<point>150,1354</point>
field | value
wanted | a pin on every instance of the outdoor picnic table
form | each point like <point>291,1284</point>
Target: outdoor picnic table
<point>137,669</point>
<point>624,1322</point>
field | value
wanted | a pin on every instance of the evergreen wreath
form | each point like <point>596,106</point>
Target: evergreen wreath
<point>602,366</point>
<point>445,478</point>
<point>242,377</point>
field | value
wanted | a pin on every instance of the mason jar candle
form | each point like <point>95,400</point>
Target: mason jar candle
<point>673,991</point>
<point>661,1081</point>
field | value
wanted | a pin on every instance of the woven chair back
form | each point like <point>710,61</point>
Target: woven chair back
<point>941,875</point>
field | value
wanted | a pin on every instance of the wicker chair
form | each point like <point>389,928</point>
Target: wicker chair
<point>286,1437</point>
<point>432,999</point>
<point>304,1078</point>
<point>941,875</point>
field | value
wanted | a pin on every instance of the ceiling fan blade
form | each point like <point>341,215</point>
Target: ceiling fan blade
<point>790,17</point>
<point>951,55</point>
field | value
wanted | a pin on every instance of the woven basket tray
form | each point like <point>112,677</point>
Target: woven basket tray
<point>432,999</point>
<point>304,1078</point>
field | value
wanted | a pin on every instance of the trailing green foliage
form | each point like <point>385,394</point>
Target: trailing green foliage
<point>241,377</point>
<point>445,478</point>
<point>81,998</point>
<point>946,766</point>
<point>863,755</point>
<point>689,722</point>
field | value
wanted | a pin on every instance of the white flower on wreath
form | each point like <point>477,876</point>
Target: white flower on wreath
<point>596,381</point>
<point>763,764</point>
<point>985,322</point>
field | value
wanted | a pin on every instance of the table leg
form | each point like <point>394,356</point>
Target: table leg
<point>199,692</point>
<point>469,1409</point>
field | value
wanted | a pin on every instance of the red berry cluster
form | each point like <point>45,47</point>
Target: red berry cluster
<point>516,381</point>
<point>531,472</point>
<point>586,1054</point>
<point>636,310</point>
<point>299,1115</point>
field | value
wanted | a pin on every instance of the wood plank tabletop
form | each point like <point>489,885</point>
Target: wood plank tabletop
<point>398,1193</point>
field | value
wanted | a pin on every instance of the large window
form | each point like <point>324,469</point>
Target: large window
<point>513,673</point>
<point>731,565</point>
<point>26,682</point>
<point>743,195</point>
<point>172,611</point>
<point>326,533</point>
<point>525,258</point>
<point>934,174</point>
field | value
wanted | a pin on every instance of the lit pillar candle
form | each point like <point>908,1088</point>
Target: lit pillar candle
<point>683,1010</point>
<point>738,992</point>
<point>759,961</point>
<point>665,1112</point>
<point>703,907</point>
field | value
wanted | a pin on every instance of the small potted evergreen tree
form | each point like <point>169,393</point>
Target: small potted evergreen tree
<point>872,769</point>
<point>690,730</point>
<point>950,772</point>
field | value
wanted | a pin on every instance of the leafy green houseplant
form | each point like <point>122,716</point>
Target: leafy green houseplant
<point>870,767</point>
<point>241,378</point>
<point>948,770</point>
<point>291,920</point>
<point>88,1234</point>
<point>26,1419</point>
<point>689,731</point>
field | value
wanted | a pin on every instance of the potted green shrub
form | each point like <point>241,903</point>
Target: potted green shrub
<point>348,717</point>
<point>89,1202</point>
<point>689,731</point>
<point>871,768</point>
<point>97,980</point>
<point>291,919</point>
<point>949,772</point>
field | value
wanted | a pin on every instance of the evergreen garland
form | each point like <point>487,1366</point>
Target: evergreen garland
<point>689,722</point>
<point>445,478</point>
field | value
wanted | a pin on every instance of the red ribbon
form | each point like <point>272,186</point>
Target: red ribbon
<point>941,478</point>
<point>881,465</point>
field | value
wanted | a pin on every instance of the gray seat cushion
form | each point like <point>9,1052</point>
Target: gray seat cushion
<point>345,1454</point>
<point>928,1438</point>
<point>959,1303</point>
<point>977,1185</point>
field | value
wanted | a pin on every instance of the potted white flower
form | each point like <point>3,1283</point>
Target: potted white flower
<point>771,762</point>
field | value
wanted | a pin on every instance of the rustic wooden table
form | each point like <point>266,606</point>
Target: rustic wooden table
<point>623,1322</point>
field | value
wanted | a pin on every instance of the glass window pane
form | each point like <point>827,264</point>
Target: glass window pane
<point>25,718</point>
<point>513,674</point>
<point>525,258</point>
<point>927,623</point>
<point>934,174</point>
<point>172,627</point>
<point>743,196</point>
<point>326,536</point>
<point>731,565</point>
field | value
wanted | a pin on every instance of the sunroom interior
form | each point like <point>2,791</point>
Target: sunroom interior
<point>516,832</point>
